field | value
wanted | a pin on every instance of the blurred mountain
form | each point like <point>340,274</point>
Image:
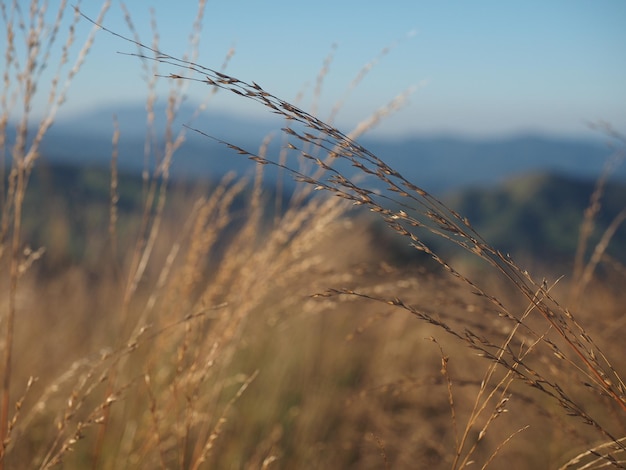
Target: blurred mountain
<point>438,164</point>
<point>132,120</point>
<point>443,163</point>
<point>86,139</point>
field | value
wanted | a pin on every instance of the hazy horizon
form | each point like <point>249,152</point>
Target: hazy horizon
<point>264,119</point>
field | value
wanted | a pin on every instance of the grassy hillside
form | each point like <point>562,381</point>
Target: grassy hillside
<point>540,215</point>
<point>536,217</point>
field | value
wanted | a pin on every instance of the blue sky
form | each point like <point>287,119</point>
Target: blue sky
<point>484,68</point>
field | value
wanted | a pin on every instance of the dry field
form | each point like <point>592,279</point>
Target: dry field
<point>207,333</point>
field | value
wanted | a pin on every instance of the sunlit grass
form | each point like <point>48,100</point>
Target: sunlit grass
<point>228,326</point>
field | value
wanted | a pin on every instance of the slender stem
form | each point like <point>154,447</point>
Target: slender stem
<point>14,276</point>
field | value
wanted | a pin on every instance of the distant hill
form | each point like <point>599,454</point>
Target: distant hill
<point>540,215</point>
<point>438,164</point>
<point>536,216</point>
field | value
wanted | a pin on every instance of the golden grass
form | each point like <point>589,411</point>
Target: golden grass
<point>213,338</point>
<point>334,374</point>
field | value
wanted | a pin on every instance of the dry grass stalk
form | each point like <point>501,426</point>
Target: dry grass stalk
<point>583,272</point>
